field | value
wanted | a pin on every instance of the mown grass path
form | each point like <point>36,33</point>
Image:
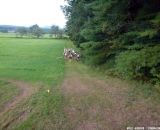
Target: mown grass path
<point>93,103</point>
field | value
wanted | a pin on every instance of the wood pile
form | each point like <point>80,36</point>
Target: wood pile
<point>70,53</point>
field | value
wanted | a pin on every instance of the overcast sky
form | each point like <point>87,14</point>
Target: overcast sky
<point>29,12</point>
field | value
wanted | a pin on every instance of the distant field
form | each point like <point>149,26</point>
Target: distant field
<point>7,34</point>
<point>32,59</point>
<point>13,35</point>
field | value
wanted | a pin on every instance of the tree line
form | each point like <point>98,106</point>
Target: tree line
<point>37,32</point>
<point>122,36</point>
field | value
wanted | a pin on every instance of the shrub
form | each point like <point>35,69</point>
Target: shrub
<point>143,64</point>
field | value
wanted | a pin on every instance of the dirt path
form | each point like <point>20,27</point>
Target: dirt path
<point>25,90</point>
<point>95,104</point>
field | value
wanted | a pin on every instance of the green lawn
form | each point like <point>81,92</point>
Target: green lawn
<point>32,60</point>
<point>39,62</point>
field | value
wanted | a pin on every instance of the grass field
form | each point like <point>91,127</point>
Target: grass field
<point>40,63</point>
<point>32,60</point>
<point>41,91</point>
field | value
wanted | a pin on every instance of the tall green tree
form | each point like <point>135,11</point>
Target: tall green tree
<point>21,31</point>
<point>36,31</point>
<point>54,30</point>
<point>111,31</point>
<point>60,33</point>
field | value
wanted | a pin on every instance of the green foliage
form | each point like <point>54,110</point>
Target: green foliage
<point>54,30</point>
<point>36,31</point>
<point>21,31</point>
<point>4,30</point>
<point>143,64</point>
<point>127,29</point>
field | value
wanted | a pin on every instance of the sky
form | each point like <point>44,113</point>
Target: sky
<point>30,12</point>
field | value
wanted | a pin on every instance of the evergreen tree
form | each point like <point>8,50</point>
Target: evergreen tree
<point>109,31</point>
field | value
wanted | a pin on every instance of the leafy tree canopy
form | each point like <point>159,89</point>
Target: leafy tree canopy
<point>36,31</point>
